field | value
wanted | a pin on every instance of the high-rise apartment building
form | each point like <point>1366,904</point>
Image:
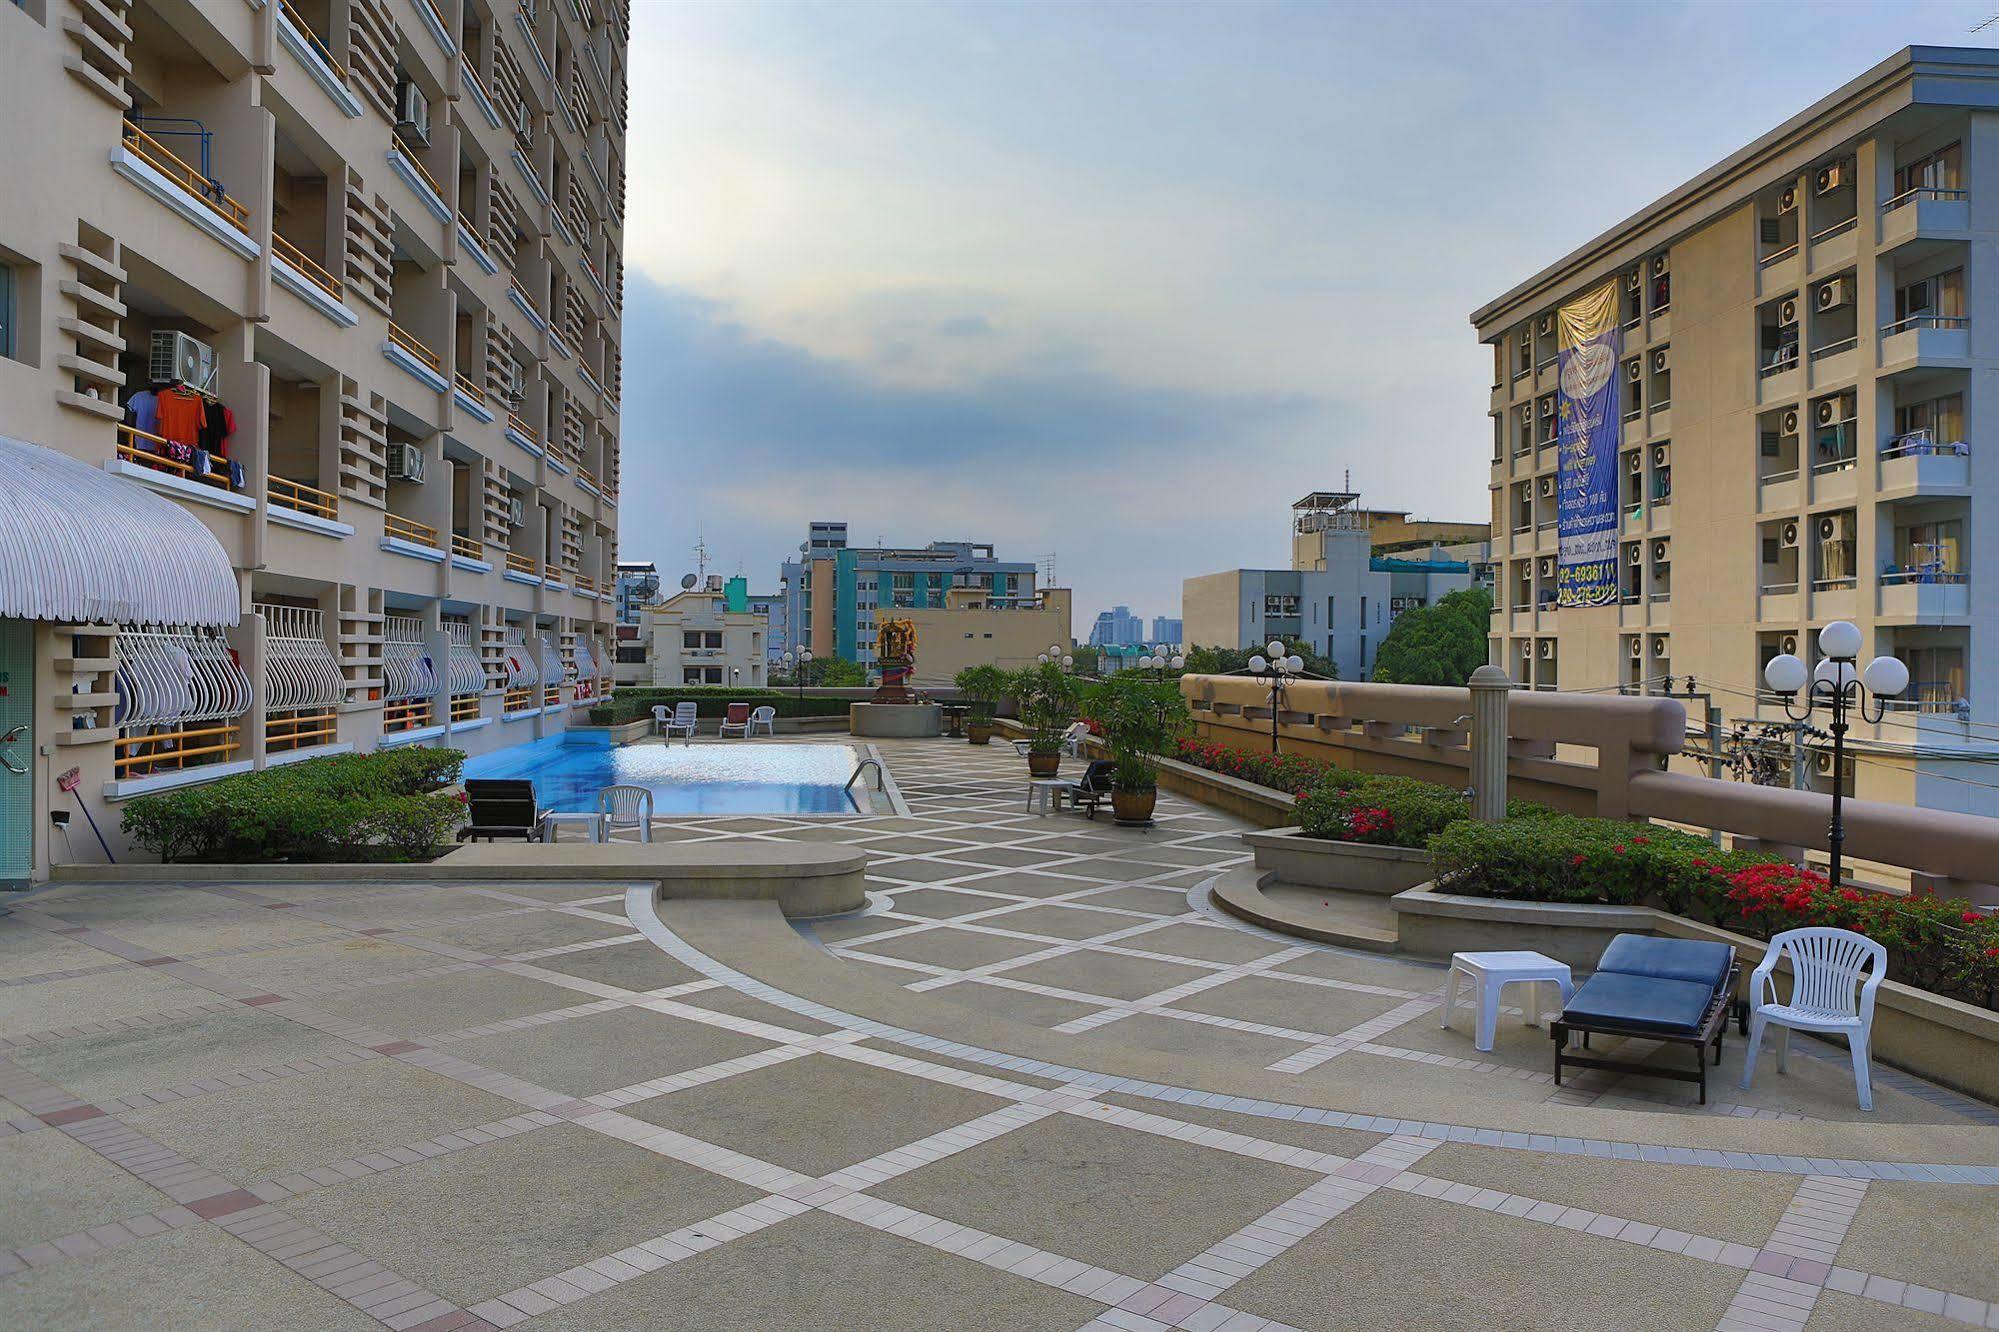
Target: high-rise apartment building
<point>1166,629</point>
<point>1808,389</point>
<point>1117,627</point>
<point>832,591</point>
<point>310,385</point>
<point>637,588</point>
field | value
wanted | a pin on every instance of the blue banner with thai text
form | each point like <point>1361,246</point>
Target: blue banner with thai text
<point>1589,342</point>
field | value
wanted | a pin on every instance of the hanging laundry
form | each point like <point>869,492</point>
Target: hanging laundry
<point>142,413</point>
<point>218,423</point>
<point>180,416</point>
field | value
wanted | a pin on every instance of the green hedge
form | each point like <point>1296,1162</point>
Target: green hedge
<point>629,704</point>
<point>1382,810</point>
<point>349,807</point>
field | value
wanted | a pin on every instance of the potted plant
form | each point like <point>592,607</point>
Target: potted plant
<point>984,686</point>
<point>1138,718</point>
<point>1045,698</point>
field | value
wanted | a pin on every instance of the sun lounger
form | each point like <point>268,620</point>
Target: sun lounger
<point>502,807</point>
<point>1674,990</point>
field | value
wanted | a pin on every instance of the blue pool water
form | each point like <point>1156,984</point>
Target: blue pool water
<point>745,777</point>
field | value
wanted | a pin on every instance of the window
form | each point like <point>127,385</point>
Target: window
<point>1939,297</point>
<point>1281,606</point>
<point>1936,421</point>
<point>7,318</point>
<point>1940,170</point>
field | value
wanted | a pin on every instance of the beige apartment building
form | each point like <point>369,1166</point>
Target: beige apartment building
<point>972,628</point>
<point>309,388</point>
<point>706,636</point>
<point>1810,430</point>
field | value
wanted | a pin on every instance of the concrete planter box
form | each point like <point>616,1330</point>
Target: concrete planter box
<point>1318,862</point>
<point>1947,1041</point>
<point>1259,804</point>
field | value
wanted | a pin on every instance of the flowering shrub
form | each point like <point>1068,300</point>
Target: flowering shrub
<point>1934,944</point>
<point>1290,773</point>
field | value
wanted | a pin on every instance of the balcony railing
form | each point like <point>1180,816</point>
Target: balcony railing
<point>299,730</point>
<point>515,423</point>
<point>519,699</point>
<point>1779,589</point>
<point>1923,192</point>
<point>525,564</point>
<point>586,477</point>
<point>170,751</point>
<point>1778,361</point>
<point>305,499</point>
<point>312,39</point>
<point>161,159</point>
<point>1829,463</point>
<point>403,338</point>
<point>1834,348</point>
<point>470,390</point>
<point>584,583</point>
<point>149,450</point>
<point>1921,442</point>
<point>467,547</point>
<point>464,707</point>
<point>1925,320</point>
<point>1836,583</point>
<point>1896,575</point>
<point>1839,228</point>
<point>408,529</point>
<point>298,259</point>
<point>409,715</point>
<point>1778,256</point>
<point>417,162</point>
<point>1784,474</point>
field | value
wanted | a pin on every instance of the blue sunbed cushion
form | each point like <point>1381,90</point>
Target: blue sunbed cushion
<point>1696,960</point>
<point>1649,1002</point>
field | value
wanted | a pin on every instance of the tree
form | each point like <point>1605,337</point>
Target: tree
<point>1227,661</point>
<point>1138,718</point>
<point>826,673</point>
<point>1087,659</point>
<point>1437,645</point>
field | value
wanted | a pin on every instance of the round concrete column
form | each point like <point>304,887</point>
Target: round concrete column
<point>1489,690</point>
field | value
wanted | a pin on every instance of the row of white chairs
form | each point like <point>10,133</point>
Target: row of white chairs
<point>680,720</point>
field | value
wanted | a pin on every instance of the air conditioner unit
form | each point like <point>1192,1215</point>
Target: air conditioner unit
<point>1788,645</point>
<point>176,358</point>
<point>1789,539</point>
<point>517,383</point>
<point>1659,265</point>
<point>1547,406</point>
<point>523,124</point>
<point>517,511</point>
<point>1634,370</point>
<point>1637,648</point>
<point>1661,455</point>
<point>1545,326</point>
<point>1787,313</point>
<point>405,462</point>
<point>412,113</point>
<point>1634,554</point>
<point>1661,552</point>
<point>1547,567</point>
<point>1547,487</point>
<point>1634,462</point>
<point>1547,649</point>
<point>1791,422</point>
<point>1526,417</point>
<point>1832,176</point>
<point>1836,294</point>
<point>1788,200</point>
<point>1836,527</point>
<point>1831,411</point>
<point>1659,646</point>
<point>1632,281</point>
<point>1662,361</point>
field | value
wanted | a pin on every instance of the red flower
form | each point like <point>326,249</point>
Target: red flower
<point>1619,848</point>
<point>1973,917</point>
<point>1579,858</point>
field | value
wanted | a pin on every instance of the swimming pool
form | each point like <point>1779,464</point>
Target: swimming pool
<point>738,777</point>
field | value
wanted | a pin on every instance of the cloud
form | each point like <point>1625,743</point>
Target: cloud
<point>745,438</point>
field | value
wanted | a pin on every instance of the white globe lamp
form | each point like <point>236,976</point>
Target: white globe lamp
<point>1840,640</point>
<point>1275,647</point>
<point>1257,665</point>
<point>1885,677</point>
<point>1786,674</point>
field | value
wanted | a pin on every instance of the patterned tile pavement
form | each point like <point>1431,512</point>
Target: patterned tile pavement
<point>584,1107</point>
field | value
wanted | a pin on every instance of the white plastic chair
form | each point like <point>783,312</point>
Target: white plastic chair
<point>661,715</point>
<point>1073,738</point>
<point>683,720</point>
<point>1826,965</point>
<point>625,807</point>
<point>764,716</point>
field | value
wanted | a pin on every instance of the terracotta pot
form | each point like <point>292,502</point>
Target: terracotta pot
<point>1043,765</point>
<point>979,732</point>
<point>1134,808</point>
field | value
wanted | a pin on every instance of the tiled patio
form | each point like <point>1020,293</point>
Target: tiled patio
<point>443,1106</point>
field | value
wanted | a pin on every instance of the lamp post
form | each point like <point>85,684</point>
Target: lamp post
<point>1275,670</point>
<point>794,665</point>
<point>1836,686</point>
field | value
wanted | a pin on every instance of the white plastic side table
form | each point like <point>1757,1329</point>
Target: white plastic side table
<point>1490,973</point>
<point>1046,793</point>
<point>552,823</point>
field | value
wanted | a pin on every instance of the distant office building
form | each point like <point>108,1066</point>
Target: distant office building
<point>969,630</point>
<point>830,594</point>
<point>1117,627</point>
<point>637,588</point>
<point>1165,630</point>
<point>1342,599</point>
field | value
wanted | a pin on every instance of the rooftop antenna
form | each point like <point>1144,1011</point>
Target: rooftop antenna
<point>1981,27</point>
<point>701,553</point>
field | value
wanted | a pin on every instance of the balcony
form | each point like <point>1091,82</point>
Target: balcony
<point>523,434</point>
<point>1778,601</point>
<point>1924,340</point>
<point>415,175</point>
<point>1927,594</point>
<point>150,460</point>
<point>522,569</point>
<point>153,167</point>
<point>297,272</point>
<point>1924,214</point>
<point>471,397</point>
<point>407,536</point>
<point>1835,362</point>
<point>407,351</point>
<point>1777,271</point>
<point>1777,377</point>
<point>1834,245</point>
<point>312,54</point>
<point>309,508</point>
<point>469,553</point>
<point>1777,491</point>
<point>1916,463</point>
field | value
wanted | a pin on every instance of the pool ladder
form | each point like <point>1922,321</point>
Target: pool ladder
<point>861,767</point>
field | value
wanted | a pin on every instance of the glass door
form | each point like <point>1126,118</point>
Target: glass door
<point>17,747</point>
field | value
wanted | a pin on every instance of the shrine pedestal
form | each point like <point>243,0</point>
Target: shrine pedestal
<point>897,721</point>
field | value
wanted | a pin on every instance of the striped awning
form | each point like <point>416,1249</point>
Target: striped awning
<point>82,546</point>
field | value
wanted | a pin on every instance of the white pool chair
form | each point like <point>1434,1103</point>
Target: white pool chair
<point>1826,966</point>
<point>683,720</point>
<point>764,716</point>
<point>625,807</point>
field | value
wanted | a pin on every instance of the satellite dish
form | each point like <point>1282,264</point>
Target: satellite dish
<point>687,581</point>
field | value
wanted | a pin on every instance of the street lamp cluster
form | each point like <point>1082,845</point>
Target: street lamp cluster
<point>1161,659</point>
<point>1276,669</point>
<point>1058,654</point>
<point>1835,685</point>
<point>794,665</point>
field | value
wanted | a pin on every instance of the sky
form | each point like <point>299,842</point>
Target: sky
<point>1114,284</point>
